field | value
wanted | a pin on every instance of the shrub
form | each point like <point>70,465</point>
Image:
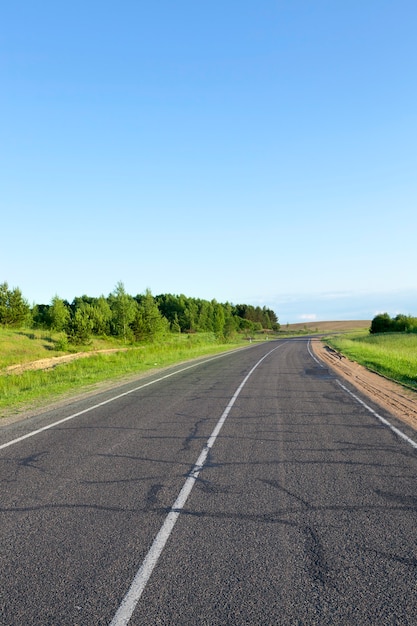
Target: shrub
<point>61,344</point>
<point>383,323</point>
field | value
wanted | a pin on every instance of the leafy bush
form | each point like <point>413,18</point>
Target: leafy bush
<point>383,323</point>
<point>61,344</point>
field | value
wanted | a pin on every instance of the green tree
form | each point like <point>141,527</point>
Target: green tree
<point>245,325</point>
<point>80,327</point>
<point>189,317</point>
<point>124,309</point>
<point>171,306</point>
<point>14,309</point>
<point>381,323</point>
<point>205,316</point>
<point>401,323</point>
<point>58,314</point>
<point>175,324</point>
<point>412,325</point>
<point>97,310</point>
<point>40,316</point>
<point>101,315</point>
<point>230,323</point>
<point>149,323</point>
<point>218,319</point>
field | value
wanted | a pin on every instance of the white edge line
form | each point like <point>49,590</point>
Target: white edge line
<point>112,399</point>
<point>137,587</point>
<point>395,430</point>
<point>313,356</point>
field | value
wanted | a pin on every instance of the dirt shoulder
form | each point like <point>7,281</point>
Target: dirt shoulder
<point>395,398</point>
<point>45,364</point>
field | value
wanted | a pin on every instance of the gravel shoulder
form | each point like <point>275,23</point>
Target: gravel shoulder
<point>391,396</point>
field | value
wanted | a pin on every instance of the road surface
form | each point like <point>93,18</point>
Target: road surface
<point>248,488</point>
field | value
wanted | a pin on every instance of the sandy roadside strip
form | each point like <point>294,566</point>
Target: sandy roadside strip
<point>45,364</point>
<point>399,400</point>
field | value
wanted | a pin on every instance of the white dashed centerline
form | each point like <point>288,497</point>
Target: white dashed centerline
<point>129,602</point>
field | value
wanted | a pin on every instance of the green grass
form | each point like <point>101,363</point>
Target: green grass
<point>25,345</point>
<point>34,388</point>
<point>392,354</point>
<point>20,346</point>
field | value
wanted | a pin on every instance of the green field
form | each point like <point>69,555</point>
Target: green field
<point>391,354</point>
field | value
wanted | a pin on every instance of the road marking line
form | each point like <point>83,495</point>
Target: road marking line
<point>313,356</point>
<point>96,406</point>
<point>397,431</point>
<point>132,597</point>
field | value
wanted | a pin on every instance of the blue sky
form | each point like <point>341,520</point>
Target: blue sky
<point>252,152</point>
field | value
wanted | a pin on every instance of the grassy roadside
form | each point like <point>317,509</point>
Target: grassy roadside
<point>34,388</point>
<point>25,345</point>
<point>393,355</point>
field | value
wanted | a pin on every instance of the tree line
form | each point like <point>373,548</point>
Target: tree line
<point>133,318</point>
<point>383,323</point>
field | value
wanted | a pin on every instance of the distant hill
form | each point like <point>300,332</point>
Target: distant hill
<point>328,326</point>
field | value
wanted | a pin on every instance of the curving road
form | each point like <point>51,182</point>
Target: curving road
<point>249,488</point>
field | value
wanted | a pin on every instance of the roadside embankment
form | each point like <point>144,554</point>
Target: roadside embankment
<point>391,396</point>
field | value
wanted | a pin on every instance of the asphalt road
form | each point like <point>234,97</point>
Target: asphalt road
<point>249,489</point>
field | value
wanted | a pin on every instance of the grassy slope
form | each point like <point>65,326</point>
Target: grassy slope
<point>31,388</point>
<point>26,345</point>
<point>391,354</point>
